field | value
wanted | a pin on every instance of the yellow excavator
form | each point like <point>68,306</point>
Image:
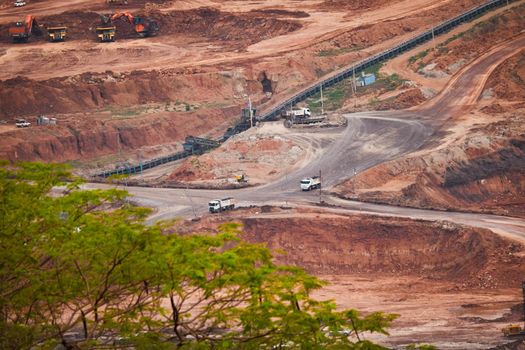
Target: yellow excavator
<point>515,329</point>
<point>241,178</point>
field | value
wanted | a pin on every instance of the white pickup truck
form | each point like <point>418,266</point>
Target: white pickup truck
<point>218,205</point>
<point>22,123</point>
<point>310,183</point>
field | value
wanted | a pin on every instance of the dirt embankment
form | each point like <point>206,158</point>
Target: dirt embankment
<point>91,136</point>
<point>326,244</point>
<point>259,157</point>
<point>94,91</point>
<point>480,170</point>
<point>459,50</point>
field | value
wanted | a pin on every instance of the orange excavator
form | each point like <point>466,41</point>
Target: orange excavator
<point>143,26</point>
<point>21,31</point>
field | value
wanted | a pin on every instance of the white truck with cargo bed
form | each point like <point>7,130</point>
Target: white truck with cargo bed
<point>218,205</point>
<point>310,183</point>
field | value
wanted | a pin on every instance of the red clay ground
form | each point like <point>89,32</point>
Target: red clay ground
<point>454,286</point>
<point>476,162</point>
<point>207,55</point>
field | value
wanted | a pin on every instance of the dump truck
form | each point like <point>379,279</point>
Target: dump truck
<point>310,183</point>
<point>22,30</point>
<point>218,205</point>
<point>301,112</point>
<point>516,329</point>
<point>117,2</point>
<point>106,33</point>
<point>58,33</point>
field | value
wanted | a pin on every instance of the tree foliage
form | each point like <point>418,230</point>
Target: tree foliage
<point>81,268</point>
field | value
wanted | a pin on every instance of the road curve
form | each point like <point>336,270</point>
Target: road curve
<point>369,139</point>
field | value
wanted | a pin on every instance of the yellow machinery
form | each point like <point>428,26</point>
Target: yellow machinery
<point>512,329</point>
<point>240,178</point>
<point>106,34</point>
<point>516,329</point>
<point>55,34</point>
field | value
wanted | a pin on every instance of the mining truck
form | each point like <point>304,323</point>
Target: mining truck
<point>512,330</point>
<point>22,30</point>
<point>106,33</point>
<point>218,205</point>
<point>310,183</point>
<point>55,34</point>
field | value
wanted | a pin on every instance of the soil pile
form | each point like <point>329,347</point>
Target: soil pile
<point>355,5</point>
<point>257,157</point>
<point>406,99</point>
<point>213,24</point>
<point>508,80</point>
<point>206,23</point>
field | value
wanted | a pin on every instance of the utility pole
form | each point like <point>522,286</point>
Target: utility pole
<point>354,87</point>
<point>191,202</point>
<point>251,111</point>
<point>433,38</point>
<point>322,100</point>
<point>118,145</point>
<point>320,188</point>
<point>140,163</point>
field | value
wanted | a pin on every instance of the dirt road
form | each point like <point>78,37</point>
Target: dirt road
<point>369,139</point>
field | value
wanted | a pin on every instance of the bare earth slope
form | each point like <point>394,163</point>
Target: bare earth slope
<point>476,162</point>
<point>208,56</point>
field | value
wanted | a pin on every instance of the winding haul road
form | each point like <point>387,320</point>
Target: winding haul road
<point>369,139</point>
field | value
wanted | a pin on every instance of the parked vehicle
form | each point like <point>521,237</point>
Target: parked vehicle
<point>58,33</point>
<point>22,123</point>
<point>20,3</point>
<point>22,30</point>
<point>218,205</point>
<point>310,183</point>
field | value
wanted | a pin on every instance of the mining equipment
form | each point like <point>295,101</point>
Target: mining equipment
<point>241,178</point>
<point>117,2</point>
<point>106,33</point>
<point>143,27</point>
<point>21,31</point>
<point>58,33</point>
<point>512,330</point>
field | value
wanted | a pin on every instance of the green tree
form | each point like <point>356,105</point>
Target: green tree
<point>81,268</point>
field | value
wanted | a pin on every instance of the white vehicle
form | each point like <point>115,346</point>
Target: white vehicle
<point>302,112</point>
<point>310,183</point>
<point>22,123</point>
<point>20,3</point>
<point>218,205</point>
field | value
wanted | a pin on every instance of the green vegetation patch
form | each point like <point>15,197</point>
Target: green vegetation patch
<point>86,260</point>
